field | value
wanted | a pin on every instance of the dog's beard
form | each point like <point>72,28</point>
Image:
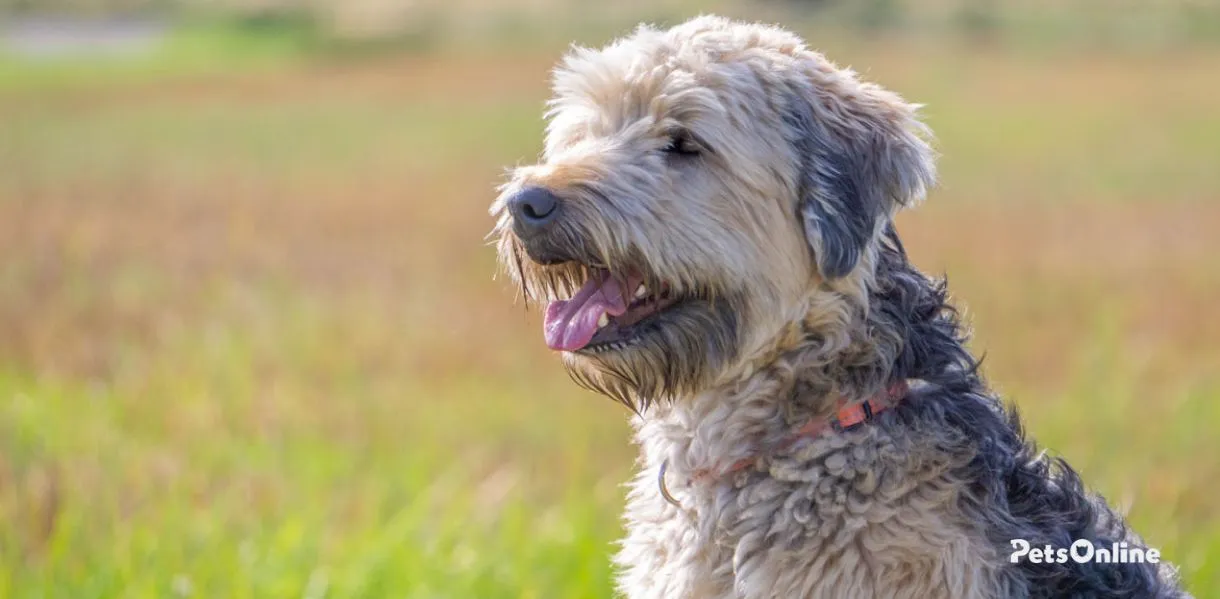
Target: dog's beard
<point>667,342</point>
<point>677,352</point>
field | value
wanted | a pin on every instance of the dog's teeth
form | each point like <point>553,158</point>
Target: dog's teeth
<point>603,321</point>
<point>641,291</point>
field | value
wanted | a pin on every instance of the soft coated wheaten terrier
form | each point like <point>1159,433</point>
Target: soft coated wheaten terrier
<point>711,225</point>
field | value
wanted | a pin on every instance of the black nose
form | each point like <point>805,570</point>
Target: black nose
<point>533,208</point>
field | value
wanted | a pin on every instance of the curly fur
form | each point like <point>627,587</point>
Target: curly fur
<point>798,292</point>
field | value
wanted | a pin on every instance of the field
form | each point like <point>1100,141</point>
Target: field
<point>250,343</point>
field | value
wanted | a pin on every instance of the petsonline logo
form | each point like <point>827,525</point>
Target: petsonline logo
<point>1082,551</point>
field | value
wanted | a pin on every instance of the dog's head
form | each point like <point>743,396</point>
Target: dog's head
<point>701,189</point>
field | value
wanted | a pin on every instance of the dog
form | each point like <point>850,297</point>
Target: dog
<point>710,225</point>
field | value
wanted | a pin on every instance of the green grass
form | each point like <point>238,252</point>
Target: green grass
<point>245,515</point>
<point>251,347</point>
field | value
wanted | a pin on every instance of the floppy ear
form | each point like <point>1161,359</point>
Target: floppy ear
<point>861,155</point>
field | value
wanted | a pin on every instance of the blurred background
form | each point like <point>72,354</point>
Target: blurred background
<point>250,343</point>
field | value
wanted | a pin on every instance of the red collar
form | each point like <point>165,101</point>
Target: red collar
<point>849,416</point>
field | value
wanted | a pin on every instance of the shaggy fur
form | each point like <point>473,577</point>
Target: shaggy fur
<point>757,182</point>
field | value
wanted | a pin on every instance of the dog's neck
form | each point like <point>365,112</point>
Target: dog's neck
<point>712,428</point>
<point>841,350</point>
<point>737,420</point>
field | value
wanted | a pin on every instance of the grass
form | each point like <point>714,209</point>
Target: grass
<point>250,345</point>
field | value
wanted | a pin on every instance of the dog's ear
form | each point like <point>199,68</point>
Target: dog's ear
<point>861,156</point>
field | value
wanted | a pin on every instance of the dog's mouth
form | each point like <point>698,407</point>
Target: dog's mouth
<point>606,313</point>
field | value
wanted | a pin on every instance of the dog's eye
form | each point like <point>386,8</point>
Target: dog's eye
<point>681,144</point>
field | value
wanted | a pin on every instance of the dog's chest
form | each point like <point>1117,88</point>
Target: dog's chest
<point>844,517</point>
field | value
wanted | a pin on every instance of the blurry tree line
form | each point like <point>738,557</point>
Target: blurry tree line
<point>980,20</point>
<point>82,7</point>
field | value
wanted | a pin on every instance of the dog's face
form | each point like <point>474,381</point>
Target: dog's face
<point>699,188</point>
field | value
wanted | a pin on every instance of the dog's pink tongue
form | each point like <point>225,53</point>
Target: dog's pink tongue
<point>570,324</point>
